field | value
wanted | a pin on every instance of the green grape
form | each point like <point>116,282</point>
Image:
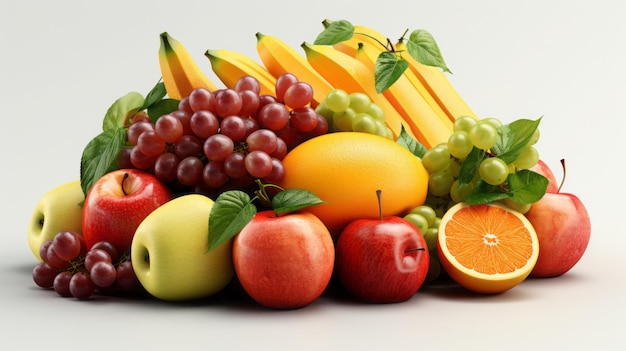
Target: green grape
<point>527,158</point>
<point>517,206</point>
<point>430,236</point>
<point>343,120</point>
<point>323,110</point>
<point>436,222</point>
<point>426,212</point>
<point>459,144</point>
<point>459,191</point>
<point>381,128</point>
<point>337,100</point>
<point>496,123</point>
<point>364,123</point>
<point>434,269</point>
<point>512,168</point>
<point>439,183</point>
<point>390,134</point>
<point>493,170</point>
<point>419,221</point>
<point>453,168</point>
<point>483,135</point>
<point>464,123</point>
<point>360,102</point>
<point>436,159</point>
<point>376,112</point>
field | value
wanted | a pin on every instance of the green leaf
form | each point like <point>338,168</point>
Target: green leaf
<point>484,193</point>
<point>387,70</point>
<point>423,47</point>
<point>335,32</point>
<point>294,199</point>
<point>513,138</point>
<point>155,95</point>
<point>100,155</point>
<point>231,212</point>
<point>526,186</point>
<point>469,166</point>
<point>161,107</point>
<point>407,141</point>
<point>119,111</point>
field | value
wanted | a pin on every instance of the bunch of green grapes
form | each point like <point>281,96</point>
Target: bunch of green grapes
<point>444,161</point>
<point>346,112</point>
<point>425,219</point>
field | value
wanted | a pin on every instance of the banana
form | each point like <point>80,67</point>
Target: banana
<point>439,87</point>
<point>428,122</point>
<point>181,75</point>
<point>431,78</point>
<point>280,58</point>
<point>229,66</point>
<point>347,73</point>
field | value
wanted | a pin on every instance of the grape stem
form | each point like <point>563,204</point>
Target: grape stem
<point>262,194</point>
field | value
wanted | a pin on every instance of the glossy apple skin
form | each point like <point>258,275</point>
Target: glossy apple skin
<point>377,260</point>
<point>563,227</point>
<point>112,214</point>
<point>542,168</point>
<point>284,262</point>
<point>170,252</point>
<point>58,209</point>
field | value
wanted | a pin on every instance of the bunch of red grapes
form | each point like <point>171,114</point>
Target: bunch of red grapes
<point>227,138</point>
<point>71,270</point>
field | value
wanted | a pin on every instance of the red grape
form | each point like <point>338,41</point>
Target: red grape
<point>298,94</point>
<point>258,163</point>
<point>201,99</point>
<point>44,274</point>
<point>283,82</point>
<point>169,128</point>
<point>217,147</point>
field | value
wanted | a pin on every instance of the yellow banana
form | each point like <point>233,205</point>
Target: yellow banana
<point>280,58</point>
<point>432,78</point>
<point>229,66</point>
<point>180,73</point>
<point>439,87</point>
<point>429,123</point>
<point>347,73</point>
<point>364,35</point>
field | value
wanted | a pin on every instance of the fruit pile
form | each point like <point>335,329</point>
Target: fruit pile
<point>357,161</point>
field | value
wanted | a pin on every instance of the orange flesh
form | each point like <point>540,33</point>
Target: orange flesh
<point>488,240</point>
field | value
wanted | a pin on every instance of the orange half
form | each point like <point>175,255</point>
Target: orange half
<point>487,248</point>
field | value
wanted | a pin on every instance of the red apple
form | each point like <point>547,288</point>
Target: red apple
<point>381,260</point>
<point>563,227</point>
<point>542,168</point>
<point>117,203</point>
<point>284,262</point>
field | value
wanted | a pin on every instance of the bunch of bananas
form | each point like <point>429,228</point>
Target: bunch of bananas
<point>422,100</point>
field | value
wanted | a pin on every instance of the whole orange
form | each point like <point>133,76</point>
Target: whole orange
<point>345,169</point>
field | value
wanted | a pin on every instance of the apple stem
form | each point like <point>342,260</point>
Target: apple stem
<point>126,175</point>
<point>414,249</point>
<point>380,204</point>
<point>563,179</point>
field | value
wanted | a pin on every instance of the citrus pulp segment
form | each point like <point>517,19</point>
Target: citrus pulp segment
<point>487,248</point>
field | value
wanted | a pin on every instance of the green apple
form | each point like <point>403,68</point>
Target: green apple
<point>58,209</point>
<point>169,251</point>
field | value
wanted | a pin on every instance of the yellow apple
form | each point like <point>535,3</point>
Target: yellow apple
<point>59,209</point>
<point>169,251</point>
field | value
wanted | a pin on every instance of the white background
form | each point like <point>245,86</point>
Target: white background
<point>62,63</point>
